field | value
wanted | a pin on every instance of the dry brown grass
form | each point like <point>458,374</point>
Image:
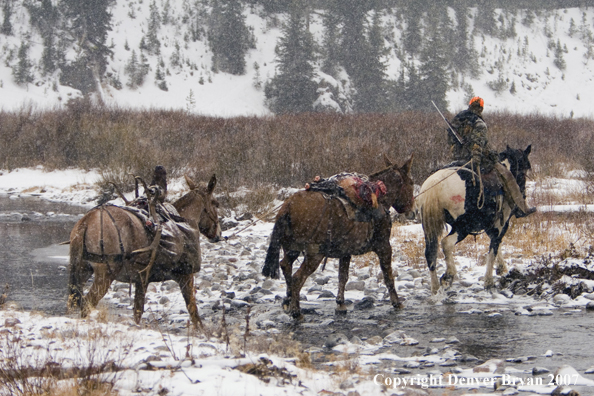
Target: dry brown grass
<point>257,201</point>
<point>284,151</point>
<point>367,260</point>
<point>538,235</point>
<point>412,246</point>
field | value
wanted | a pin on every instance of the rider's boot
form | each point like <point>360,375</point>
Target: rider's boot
<point>513,193</point>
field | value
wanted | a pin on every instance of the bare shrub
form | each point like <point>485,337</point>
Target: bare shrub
<point>91,370</point>
<point>257,201</point>
<point>286,150</point>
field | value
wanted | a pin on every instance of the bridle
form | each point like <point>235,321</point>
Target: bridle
<point>401,183</point>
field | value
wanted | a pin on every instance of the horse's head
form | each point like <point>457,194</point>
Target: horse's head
<point>399,185</point>
<point>516,160</point>
<point>199,207</point>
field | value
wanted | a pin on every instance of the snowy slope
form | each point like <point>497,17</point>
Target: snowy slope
<point>540,85</point>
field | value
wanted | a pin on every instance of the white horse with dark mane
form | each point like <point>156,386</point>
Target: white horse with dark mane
<point>457,197</point>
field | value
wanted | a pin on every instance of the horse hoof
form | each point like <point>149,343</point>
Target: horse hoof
<point>297,316</point>
<point>447,280</point>
<point>340,311</point>
<point>398,304</point>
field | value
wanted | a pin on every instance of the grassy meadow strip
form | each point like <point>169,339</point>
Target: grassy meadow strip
<point>285,151</point>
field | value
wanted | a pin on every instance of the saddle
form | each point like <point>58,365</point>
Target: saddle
<point>358,195</point>
<point>484,195</point>
<point>173,227</point>
<point>490,181</point>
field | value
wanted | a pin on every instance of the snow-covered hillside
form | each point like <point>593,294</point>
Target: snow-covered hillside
<point>524,68</point>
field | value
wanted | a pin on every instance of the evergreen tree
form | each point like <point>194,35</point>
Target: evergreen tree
<point>228,36</point>
<point>160,77</point>
<point>49,56</point>
<point>559,58</point>
<point>151,42</point>
<point>411,90</point>
<point>331,43</point>
<point>132,69</point>
<point>166,14</point>
<point>433,69</point>
<point>371,84</point>
<point>137,70</point>
<point>22,72</point>
<point>461,52</point>
<point>412,39</point>
<point>45,18</point>
<point>362,52</point>
<point>198,17</point>
<point>485,20</point>
<point>176,58</point>
<point>90,22</point>
<point>397,92</point>
<point>7,12</point>
<point>292,89</point>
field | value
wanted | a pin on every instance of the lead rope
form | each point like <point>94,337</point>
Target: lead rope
<point>455,170</point>
<point>254,221</point>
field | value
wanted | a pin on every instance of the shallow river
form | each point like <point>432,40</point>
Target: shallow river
<point>34,265</point>
<point>32,262</point>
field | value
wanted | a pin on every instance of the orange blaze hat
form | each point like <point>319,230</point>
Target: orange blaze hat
<point>477,100</point>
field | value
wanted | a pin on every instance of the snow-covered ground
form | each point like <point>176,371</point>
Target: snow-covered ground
<point>161,356</point>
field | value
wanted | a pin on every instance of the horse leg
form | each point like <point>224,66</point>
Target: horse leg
<point>186,285</point>
<point>495,237</point>
<point>103,280</point>
<point>448,244</point>
<point>501,265</point>
<point>139,300</point>
<point>286,265</point>
<point>431,246</point>
<point>78,277</point>
<point>343,277</point>
<point>310,264</point>
<point>384,254</point>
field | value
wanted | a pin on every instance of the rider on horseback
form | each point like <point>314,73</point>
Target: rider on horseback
<point>474,147</point>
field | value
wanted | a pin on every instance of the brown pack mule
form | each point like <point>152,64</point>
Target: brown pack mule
<point>319,227</point>
<point>110,241</point>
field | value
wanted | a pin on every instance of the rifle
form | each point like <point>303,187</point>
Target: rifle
<point>450,127</point>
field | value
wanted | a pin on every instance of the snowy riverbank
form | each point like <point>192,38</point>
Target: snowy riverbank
<point>370,351</point>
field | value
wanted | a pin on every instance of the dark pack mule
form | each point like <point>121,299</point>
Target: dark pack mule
<point>318,226</point>
<point>449,196</point>
<point>111,241</point>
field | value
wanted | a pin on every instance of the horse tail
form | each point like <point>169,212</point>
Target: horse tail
<point>77,238</point>
<point>433,221</point>
<point>272,261</point>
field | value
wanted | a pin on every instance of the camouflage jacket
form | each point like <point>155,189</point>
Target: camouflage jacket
<point>472,129</point>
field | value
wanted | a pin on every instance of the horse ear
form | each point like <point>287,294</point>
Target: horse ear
<point>387,161</point>
<point>408,165</point>
<point>212,184</point>
<point>528,150</point>
<point>190,182</point>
